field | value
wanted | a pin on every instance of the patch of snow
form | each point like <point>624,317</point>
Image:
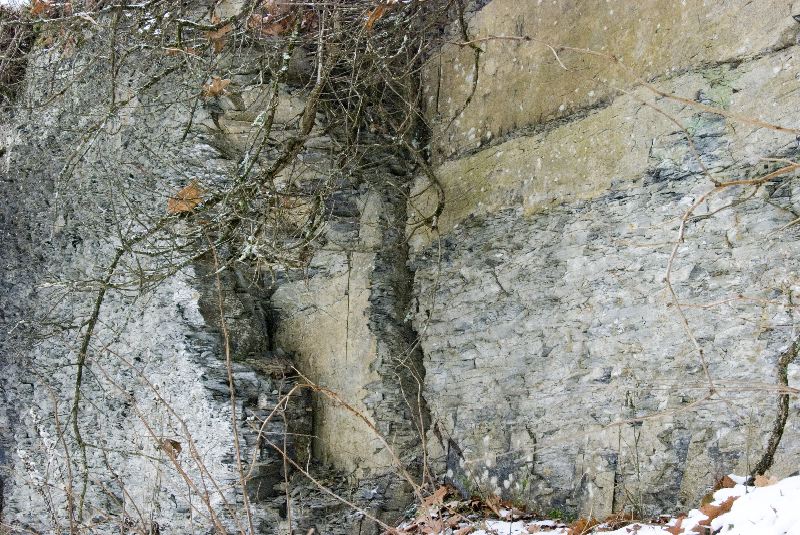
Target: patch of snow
<point>13,4</point>
<point>769,510</point>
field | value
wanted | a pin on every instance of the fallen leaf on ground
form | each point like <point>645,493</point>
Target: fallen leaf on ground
<point>676,529</point>
<point>493,502</point>
<point>582,526</point>
<point>437,498</point>
<point>713,511</point>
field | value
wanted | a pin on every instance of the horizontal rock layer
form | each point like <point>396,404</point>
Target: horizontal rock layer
<point>559,370</point>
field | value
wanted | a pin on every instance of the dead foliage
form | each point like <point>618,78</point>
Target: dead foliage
<point>376,13</point>
<point>187,199</point>
<point>275,19</point>
<point>218,37</point>
<point>171,447</point>
<point>725,483</point>
<point>764,481</point>
<point>677,529</point>
<point>582,526</point>
<point>215,87</point>
<point>712,511</point>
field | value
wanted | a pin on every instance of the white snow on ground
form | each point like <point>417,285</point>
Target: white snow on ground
<point>770,510</point>
<point>14,4</point>
<point>499,527</point>
<point>773,509</point>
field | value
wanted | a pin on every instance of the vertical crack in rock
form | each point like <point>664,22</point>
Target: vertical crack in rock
<point>346,325</point>
<point>397,403</point>
<point>262,377</point>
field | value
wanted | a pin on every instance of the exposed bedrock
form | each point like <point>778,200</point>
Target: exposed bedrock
<point>507,327</point>
<point>558,369</point>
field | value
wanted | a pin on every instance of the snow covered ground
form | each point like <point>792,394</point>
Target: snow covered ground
<point>770,507</point>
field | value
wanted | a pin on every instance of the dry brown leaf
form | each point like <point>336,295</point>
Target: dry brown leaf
<point>764,481</point>
<point>723,483</point>
<point>453,521</point>
<point>186,199</point>
<point>437,498</point>
<point>713,511</point>
<point>172,447</point>
<point>676,529</point>
<point>464,531</point>
<point>268,26</point>
<point>494,503</point>
<point>217,37</point>
<point>619,520</point>
<point>216,87</point>
<point>39,7</point>
<point>436,526</point>
<point>275,19</point>
<point>276,8</point>
<point>582,526</point>
<point>375,15</point>
<point>534,529</point>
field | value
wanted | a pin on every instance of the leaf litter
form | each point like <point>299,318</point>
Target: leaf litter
<point>766,506</point>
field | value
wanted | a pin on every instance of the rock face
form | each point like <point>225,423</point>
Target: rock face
<point>559,371</point>
<point>507,328</point>
<point>519,84</point>
<point>163,435</point>
<point>155,415</point>
<point>155,392</point>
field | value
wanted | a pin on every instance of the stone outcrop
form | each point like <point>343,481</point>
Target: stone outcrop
<point>558,370</point>
<point>502,323</point>
<point>155,381</point>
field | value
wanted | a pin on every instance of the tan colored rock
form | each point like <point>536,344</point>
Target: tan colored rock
<point>522,84</point>
<point>324,324</point>
<point>579,160</point>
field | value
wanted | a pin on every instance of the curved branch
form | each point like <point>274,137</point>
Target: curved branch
<point>768,457</point>
<point>83,352</point>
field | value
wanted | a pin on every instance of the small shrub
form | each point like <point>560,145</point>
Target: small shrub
<point>16,38</point>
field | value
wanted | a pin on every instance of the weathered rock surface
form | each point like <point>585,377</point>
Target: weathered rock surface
<point>155,379</point>
<point>526,333</point>
<point>520,83</point>
<point>347,325</point>
<point>558,370</point>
